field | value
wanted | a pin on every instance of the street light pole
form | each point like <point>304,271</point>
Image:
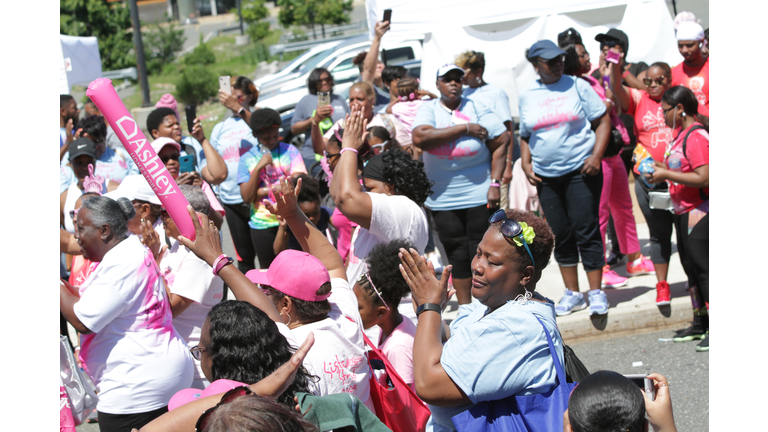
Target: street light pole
<point>139,47</point>
<point>240,14</point>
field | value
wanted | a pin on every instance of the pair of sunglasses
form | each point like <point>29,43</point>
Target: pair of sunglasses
<point>166,158</point>
<point>228,397</point>
<point>554,61</point>
<point>648,81</point>
<point>511,229</point>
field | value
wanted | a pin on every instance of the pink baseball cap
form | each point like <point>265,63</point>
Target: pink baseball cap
<point>294,273</point>
<point>183,397</point>
<point>159,143</point>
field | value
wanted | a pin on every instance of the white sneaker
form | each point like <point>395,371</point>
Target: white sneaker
<point>434,258</point>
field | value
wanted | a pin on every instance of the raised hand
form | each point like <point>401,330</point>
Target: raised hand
<point>355,130</point>
<point>207,244</point>
<point>419,274</point>
<point>286,204</point>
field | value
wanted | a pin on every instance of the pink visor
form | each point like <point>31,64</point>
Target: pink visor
<point>294,273</point>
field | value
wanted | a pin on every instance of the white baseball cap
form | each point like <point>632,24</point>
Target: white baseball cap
<point>135,187</point>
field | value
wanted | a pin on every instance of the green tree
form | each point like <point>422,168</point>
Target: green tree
<point>110,23</point>
<point>313,12</point>
<point>202,55</point>
<point>254,12</point>
<point>161,45</point>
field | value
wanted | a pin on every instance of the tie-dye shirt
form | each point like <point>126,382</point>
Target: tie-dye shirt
<point>555,119</point>
<point>134,355</point>
<point>286,160</point>
<point>231,138</point>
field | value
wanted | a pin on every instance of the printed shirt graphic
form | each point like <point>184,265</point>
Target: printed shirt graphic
<point>286,160</point>
<point>696,79</point>
<point>685,198</point>
<point>651,131</point>
<point>556,119</point>
<point>461,169</point>
<point>231,138</point>
<point>123,301</point>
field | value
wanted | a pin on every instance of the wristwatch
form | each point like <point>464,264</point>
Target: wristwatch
<point>429,307</point>
<point>241,111</point>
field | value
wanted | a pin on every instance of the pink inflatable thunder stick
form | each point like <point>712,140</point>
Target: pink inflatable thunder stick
<point>103,94</point>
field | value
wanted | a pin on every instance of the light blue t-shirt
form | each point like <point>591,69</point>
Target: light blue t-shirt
<point>460,169</point>
<point>200,160</point>
<point>556,119</point>
<point>232,138</point>
<point>503,354</point>
<point>492,97</point>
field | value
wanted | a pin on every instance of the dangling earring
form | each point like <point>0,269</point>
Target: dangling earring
<point>522,299</point>
<point>289,317</point>
<point>478,80</point>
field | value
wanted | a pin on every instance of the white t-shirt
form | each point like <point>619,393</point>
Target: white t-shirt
<point>134,355</point>
<point>392,217</point>
<point>338,355</point>
<point>192,278</point>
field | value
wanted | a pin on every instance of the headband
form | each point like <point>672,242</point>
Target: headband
<point>374,169</point>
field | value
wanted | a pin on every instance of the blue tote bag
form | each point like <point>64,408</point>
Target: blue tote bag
<point>536,413</point>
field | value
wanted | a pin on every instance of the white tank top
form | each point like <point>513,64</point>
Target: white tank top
<point>73,193</point>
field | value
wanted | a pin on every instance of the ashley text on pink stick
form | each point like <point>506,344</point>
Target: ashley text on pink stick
<point>103,94</point>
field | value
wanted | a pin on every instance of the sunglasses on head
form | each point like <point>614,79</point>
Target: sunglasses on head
<point>228,397</point>
<point>511,229</point>
<point>365,276</point>
<point>166,158</point>
<point>647,81</point>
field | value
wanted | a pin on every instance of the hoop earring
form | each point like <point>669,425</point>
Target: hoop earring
<point>289,317</point>
<point>478,80</point>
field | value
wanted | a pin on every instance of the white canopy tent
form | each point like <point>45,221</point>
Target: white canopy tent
<point>80,62</point>
<point>446,26</point>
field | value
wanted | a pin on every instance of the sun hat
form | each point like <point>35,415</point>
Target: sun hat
<point>294,273</point>
<point>135,187</point>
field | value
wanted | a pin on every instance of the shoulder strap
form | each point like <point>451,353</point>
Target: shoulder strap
<point>702,195</point>
<point>558,367</point>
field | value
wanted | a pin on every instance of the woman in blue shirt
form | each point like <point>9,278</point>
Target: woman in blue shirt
<point>464,146</point>
<point>562,156</point>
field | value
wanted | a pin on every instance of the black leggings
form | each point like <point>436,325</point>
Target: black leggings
<point>238,216</point>
<point>660,223</point>
<point>460,232</point>
<point>694,246</point>
<point>263,241</point>
<point>126,422</point>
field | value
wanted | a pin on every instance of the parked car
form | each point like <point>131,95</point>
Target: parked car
<point>286,95</point>
<point>302,63</point>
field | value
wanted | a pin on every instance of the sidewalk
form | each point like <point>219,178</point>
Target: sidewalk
<point>633,307</point>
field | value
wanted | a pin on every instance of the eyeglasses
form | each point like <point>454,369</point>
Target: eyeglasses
<point>196,351</point>
<point>166,158</point>
<point>326,79</point>
<point>554,61</point>
<point>510,229</point>
<point>228,397</point>
<point>378,148</point>
<point>328,156</point>
<point>366,276</point>
<point>647,81</point>
<point>584,54</point>
<point>665,111</point>
<point>73,213</point>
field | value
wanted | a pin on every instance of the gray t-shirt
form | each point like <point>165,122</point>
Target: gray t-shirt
<point>304,109</point>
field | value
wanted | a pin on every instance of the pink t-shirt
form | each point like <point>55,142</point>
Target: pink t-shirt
<point>685,198</point>
<point>615,120</point>
<point>345,228</point>
<point>696,79</point>
<point>406,113</point>
<point>651,131</point>
<point>398,348</point>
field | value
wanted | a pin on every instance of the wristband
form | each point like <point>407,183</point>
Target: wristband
<point>348,148</point>
<point>222,264</point>
<point>429,307</point>
<point>493,180</point>
<point>216,263</point>
<point>240,112</point>
<point>626,72</point>
<point>495,185</point>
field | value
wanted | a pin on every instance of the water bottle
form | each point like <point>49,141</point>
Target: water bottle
<point>646,166</point>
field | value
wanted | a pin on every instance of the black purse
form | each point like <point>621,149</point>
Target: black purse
<point>575,371</point>
<point>615,143</point>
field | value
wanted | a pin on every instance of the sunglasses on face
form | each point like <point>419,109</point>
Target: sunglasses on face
<point>228,397</point>
<point>324,80</point>
<point>554,61</point>
<point>166,158</point>
<point>648,81</point>
<point>447,79</point>
<point>73,213</point>
<point>610,43</point>
<point>511,229</point>
<point>665,111</point>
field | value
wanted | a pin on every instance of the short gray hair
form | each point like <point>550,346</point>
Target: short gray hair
<point>196,198</point>
<point>106,211</point>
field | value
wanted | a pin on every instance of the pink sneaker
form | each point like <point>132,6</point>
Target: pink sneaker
<point>611,279</point>
<point>662,293</point>
<point>644,268</point>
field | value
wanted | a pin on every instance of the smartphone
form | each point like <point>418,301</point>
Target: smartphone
<point>186,163</point>
<point>612,56</point>
<point>388,15</point>
<point>323,99</point>
<point>225,84</point>
<point>644,383</point>
<point>191,111</point>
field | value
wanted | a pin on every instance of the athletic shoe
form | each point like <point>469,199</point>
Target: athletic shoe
<point>611,279</point>
<point>614,259</point>
<point>689,334</point>
<point>662,294</point>
<point>571,301</point>
<point>598,302</point>
<point>703,346</point>
<point>644,268</point>
<point>435,259</point>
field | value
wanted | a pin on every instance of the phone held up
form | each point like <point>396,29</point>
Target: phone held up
<point>388,15</point>
<point>191,112</point>
<point>186,163</point>
<point>323,98</point>
<point>225,84</point>
<point>612,57</point>
<point>644,383</point>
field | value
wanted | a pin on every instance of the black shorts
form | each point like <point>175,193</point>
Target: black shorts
<point>460,232</point>
<point>126,422</point>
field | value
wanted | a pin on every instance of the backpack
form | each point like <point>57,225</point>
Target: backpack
<point>703,195</point>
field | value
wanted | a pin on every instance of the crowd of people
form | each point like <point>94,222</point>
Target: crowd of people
<point>346,253</point>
